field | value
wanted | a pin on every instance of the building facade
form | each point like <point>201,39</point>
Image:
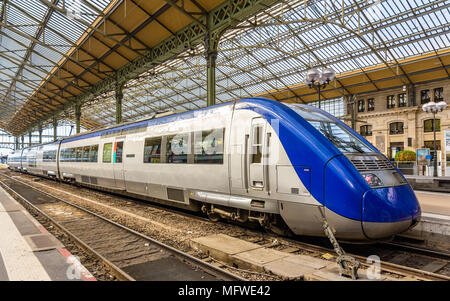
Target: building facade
<point>393,119</point>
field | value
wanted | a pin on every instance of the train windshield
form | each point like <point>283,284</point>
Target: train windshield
<point>336,133</point>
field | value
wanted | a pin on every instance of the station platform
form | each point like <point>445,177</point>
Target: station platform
<point>438,184</point>
<point>28,252</point>
<point>434,225</point>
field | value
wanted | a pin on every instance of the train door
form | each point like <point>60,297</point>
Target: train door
<point>256,149</point>
<point>119,174</point>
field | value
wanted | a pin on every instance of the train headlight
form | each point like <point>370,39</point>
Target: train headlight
<point>372,180</point>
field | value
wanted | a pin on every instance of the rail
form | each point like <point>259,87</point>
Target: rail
<point>120,274</point>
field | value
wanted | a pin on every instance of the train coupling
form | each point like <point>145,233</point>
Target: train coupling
<point>348,266</point>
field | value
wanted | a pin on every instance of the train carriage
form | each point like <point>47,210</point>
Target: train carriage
<point>282,165</point>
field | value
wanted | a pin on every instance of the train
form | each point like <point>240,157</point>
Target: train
<point>286,166</point>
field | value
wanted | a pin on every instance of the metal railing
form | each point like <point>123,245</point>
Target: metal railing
<point>412,168</point>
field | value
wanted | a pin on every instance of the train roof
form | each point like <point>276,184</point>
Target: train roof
<point>155,119</point>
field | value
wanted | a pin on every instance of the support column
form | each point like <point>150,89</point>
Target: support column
<point>55,128</point>
<point>119,97</point>
<point>29,141</point>
<point>350,100</point>
<point>78,117</point>
<point>17,143</point>
<point>211,78</point>
<point>211,43</point>
<point>23,141</point>
<point>40,133</point>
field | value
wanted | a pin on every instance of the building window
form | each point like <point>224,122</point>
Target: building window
<point>370,104</point>
<point>361,104</point>
<point>365,130</point>
<point>428,125</point>
<point>438,94</point>
<point>430,144</point>
<point>394,148</point>
<point>402,100</point>
<point>396,128</point>
<point>391,101</point>
<point>349,107</point>
<point>424,96</point>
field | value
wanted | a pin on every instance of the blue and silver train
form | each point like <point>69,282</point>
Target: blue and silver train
<point>283,165</point>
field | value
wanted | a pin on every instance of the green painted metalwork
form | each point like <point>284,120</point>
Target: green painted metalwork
<point>223,17</point>
<point>119,97</point>
<point>78,117</point>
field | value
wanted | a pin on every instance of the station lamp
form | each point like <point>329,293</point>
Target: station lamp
<point>319,80</point>
<point>434,108</point>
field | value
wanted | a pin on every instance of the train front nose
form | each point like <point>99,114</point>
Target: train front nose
<point>389,211</point>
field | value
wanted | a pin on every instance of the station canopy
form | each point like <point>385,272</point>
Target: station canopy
<point>54,53</point>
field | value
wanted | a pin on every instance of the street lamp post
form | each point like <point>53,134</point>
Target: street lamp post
<point>434,108</point>
<point>315,78</point>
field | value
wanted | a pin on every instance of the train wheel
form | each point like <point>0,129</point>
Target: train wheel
<point>213,217</point>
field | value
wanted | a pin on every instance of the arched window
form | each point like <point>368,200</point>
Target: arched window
<point>396,128</point>
<point>361,104</point>
<point>428,125</point>
<point>365,130</point>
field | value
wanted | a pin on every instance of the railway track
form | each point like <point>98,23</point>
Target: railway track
<point>128,254</point>
<point>360,252</point>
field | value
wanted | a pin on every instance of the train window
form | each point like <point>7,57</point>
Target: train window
<point>65,155</point>
<point>79,154</point>
<point>49,156</point>
<point>208,146</point>
<point>177,148</point>
<point>73,154</point>
<point>107,147</point>
<point>62,155</point>
<point>118,152</point>
<point>31,160</point>
<point>340,137</point>
<point>152,150</point>
<point>257,136</point>
<point>336,133</point>
<point>85,154</point>
<point>93,153</point>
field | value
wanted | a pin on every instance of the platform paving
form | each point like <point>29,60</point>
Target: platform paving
<point>222,247</point>
<point>27,251</point>
<point>250,256</point>
<point>256,259</point>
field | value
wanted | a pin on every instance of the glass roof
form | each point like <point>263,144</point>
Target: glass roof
<point>34,37</point>
<point>270,52</point>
